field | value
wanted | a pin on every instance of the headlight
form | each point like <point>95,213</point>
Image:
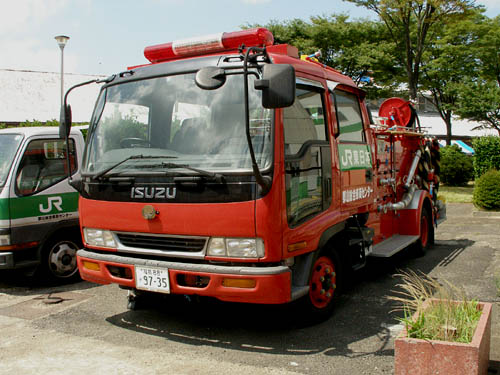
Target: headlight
<point>236,247</point>
<point>99,237</point>
<point>4,239</point>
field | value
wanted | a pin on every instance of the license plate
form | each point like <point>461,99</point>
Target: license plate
<point>152,279</point>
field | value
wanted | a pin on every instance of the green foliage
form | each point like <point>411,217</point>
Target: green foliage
<point>456,194</point>
<point>489,45</point>
<point>480,101</point>
<point>448,61</point>
<point>456,167</point>
<point>3,125</point>
<point>120,126</point>
<point>357,48</point>
<point>34,122</point>
<point>460,318</point>
<point>487,191</point>
<point>414,26</point>
<point>443,311</point>
<point>486,154</point>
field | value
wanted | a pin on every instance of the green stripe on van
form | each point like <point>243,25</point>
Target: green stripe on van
<point>39,205</point>
<point>4,209</point>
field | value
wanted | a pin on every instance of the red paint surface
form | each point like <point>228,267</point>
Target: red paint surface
<point>269,289</point>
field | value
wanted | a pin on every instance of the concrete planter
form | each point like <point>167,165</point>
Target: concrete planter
<point>425,357</point>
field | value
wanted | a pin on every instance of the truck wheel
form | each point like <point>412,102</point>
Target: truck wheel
<point>324,287</point>
<point>58,263</point>
<point>426,238</point>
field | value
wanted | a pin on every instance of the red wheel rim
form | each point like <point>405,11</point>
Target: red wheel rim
<point>424,230</point>
<point>323,282</point>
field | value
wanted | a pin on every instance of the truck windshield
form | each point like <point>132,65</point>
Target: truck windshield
<point>174,118</point>
<point>9,143</point>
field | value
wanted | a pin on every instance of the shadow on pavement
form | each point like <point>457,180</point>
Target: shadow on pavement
<point>362,324</point>
<point>17,283</point>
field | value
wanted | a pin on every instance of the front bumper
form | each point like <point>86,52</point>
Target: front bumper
<point>272,284</point>
<point>19,259</point>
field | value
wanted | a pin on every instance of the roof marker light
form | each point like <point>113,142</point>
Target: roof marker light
<point>257,37</point>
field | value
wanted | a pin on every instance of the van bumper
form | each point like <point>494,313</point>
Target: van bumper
<point>10,260</point>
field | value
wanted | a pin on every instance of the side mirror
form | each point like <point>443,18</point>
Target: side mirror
<point>65,121</point>
<point>277,85</point>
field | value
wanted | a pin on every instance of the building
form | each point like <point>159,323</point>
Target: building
<point>31,95</point>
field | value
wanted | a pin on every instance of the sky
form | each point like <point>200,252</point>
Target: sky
<point>107,36</point>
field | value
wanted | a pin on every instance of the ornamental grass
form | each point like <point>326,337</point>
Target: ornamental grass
<point>435,311</point>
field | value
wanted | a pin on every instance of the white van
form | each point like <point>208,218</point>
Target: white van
<point>39,227</point>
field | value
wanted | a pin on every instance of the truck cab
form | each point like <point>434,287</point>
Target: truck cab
<point>39,226</point>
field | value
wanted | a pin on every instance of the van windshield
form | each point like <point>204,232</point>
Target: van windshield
<point>173,118</point>
<point>9,144</point>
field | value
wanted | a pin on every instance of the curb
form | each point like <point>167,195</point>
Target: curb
<point>488,214</point>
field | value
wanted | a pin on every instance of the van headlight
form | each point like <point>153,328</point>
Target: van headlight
<point>99,237</point>
<point>4,239</point>
<point>236,247</point>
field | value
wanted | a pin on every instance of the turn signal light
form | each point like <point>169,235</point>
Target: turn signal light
<point>91,266</point>
<point>297,246</point>
<point>239,283</point>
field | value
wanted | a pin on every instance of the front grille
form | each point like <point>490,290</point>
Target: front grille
<point>163,243</point>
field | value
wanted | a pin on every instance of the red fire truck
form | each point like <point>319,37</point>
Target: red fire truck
<point>230,167</point>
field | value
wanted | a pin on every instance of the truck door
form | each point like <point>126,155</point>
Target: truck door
<point>40,194</point>
<point>355,159</point>
<point>308,168</point>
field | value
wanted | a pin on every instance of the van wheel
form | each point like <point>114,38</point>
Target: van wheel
<point>58,261</point>
<point>324,287</point>
<point>426,238</point>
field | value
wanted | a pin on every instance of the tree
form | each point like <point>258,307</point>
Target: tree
<point>450,60</point>
<point>479,95</point>
<point>357,48</point>
<point>413,24</point>
<point>296,32</point>
<point>489,48</point>
<point>480,101</point>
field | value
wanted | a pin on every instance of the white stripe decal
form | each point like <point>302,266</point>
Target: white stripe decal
<point>42,219</point>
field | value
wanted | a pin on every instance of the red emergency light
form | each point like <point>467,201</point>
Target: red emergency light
<point>258,37</point>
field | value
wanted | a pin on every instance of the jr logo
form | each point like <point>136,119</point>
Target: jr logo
<point>52,202</point>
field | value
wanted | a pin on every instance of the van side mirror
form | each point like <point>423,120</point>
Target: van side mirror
<point>277,85</point>
<point>65,121</point>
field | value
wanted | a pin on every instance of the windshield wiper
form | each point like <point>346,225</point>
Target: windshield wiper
<point>217,177</point>
<point>132,157</point>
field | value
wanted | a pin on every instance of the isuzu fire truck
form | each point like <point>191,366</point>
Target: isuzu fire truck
<point>229,167</point>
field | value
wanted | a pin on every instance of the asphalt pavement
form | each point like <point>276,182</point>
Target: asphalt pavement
<point>86,328</point>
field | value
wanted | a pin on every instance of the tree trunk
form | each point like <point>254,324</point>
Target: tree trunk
<point>448,128</point>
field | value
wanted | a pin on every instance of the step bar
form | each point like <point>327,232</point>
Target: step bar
<point>393,245</point>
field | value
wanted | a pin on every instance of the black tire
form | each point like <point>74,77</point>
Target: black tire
<point>58,260</point>
<point>325,285</point>
<point>426,235</point>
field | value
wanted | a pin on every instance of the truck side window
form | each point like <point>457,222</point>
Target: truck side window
<point>43,165</point>
<point>306,149</point>
<point>349,117</point>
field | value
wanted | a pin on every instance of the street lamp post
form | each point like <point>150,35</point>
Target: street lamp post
<point>62,40</point>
